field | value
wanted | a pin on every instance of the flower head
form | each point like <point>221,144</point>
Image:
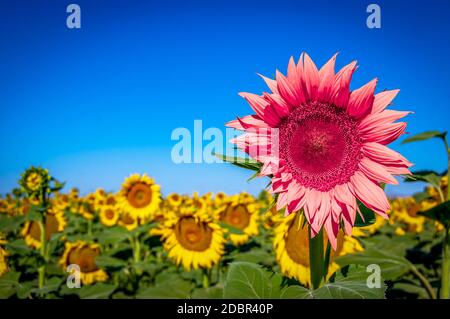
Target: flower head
<point>35,181</point>
<point>323,145</point>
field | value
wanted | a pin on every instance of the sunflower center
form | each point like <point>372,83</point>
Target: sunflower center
<point>140,195</point>
<point>193,235</point>
<point>109,214</point>
<point>34,181</point>
<point>85,258</point>
<point>321,145</point>
<point>236,216</point>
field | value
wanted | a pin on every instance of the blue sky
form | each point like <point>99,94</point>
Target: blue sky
<point>96,104</point>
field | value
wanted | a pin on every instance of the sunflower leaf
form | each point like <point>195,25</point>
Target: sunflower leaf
<point>247,163</point>
<point>430,177</point>
<point>441,213</point>
<point>424,136</point>
<point>96,291</point>
<point>368,214</point>
<point>250,281</point>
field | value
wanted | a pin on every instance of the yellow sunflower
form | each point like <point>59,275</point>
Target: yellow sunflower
<point>139,196</point>
<point>83,254</point>
<point>241,212</point>
<point>192,239</point>
<point>35,180</point>
<point>3,254</point>
<point>109,216</point>
<point>291,244</point>
<point>128,221</point>
<point>404,211</point>
<point>55,222</point>
<point>174,200</point>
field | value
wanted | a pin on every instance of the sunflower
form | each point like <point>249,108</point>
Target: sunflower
<point>174,200</point>
<point>3,254</point>
<point>241,212</point>
<point>109,216</point>
<point>192,239</point>
<point>404,211</point>
<point>322,144</point>
<point>128,221</point>
<point>35,180</point>
<point>55,222</point>
<point>291,244</point>
<point>83,254</point>
<point>139,196</point>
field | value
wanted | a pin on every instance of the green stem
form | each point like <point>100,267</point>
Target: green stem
<point>445,277</point>
<point>424,282</point>
<point>43,251</point>
<point>326,262</point>
<point>89,230</point>
<point>205,280</point>
<point>137,250</point>
<point>316,259</point>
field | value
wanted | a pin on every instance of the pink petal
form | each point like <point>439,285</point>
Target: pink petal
<point>340,92</point>
<point>286,90</point>
<point>369,193</point>
<point>384,134</point>
<point>375,119</point>
<point>247,122</point>
<point>326,75</point>
<point>332,229</point>
<point>272,84</point>
<point>361,100</point>
<point>383,99</point>
<point>376,172</point>
<point>311,77</point>
<point>384,155</point>
<point>257,103</point>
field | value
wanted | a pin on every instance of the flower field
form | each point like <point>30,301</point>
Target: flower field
<point>137,243</point>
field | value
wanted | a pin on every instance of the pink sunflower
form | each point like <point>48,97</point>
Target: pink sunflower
<point>323,145</point>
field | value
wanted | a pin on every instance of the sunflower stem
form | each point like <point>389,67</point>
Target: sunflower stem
<point>205,280</point>
<point>316,259</point>
<point>43,251</point>
<point>326,262</point>
<point>445,277</point>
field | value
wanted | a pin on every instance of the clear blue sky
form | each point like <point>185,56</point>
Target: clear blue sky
<point>96,104</point>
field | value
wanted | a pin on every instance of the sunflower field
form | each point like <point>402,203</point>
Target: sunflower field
<point>139,243</point>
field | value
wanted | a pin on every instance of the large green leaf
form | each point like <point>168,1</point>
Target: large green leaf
<point>249,281</point>
<point>171,289</point>
<point>353,286</point>
<point>96,291</point>
<point>296,292</point>
<point>215,292</point>
<point>9,224</point>
<point>9,283</point>
<point>424,136</point>
<point>109,262</point>
<point>430,177</point>
<point>113,235</point>
<point>392,264</point>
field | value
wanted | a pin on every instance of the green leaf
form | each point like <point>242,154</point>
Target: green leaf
<point>430,177</point>
<point>109,262</point>
<point>247,163</point>
<point>257,256</point>
<point>231,229</point>
<point>392,264</point>
<point>10,224</point>
<point>9,283</point>
<point>18,247</point>
<point>424,136</point>
<point>440,213</point>
<point>249,281</point>
<point>113,235</point>
<point>24,290</point>
<point>368,214</point>
<point>354,286</point>
<point>215,292</point>
<point>173,289</point>
<point>296,292</point>
<point>97,291</point>
<point>51,285</point>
